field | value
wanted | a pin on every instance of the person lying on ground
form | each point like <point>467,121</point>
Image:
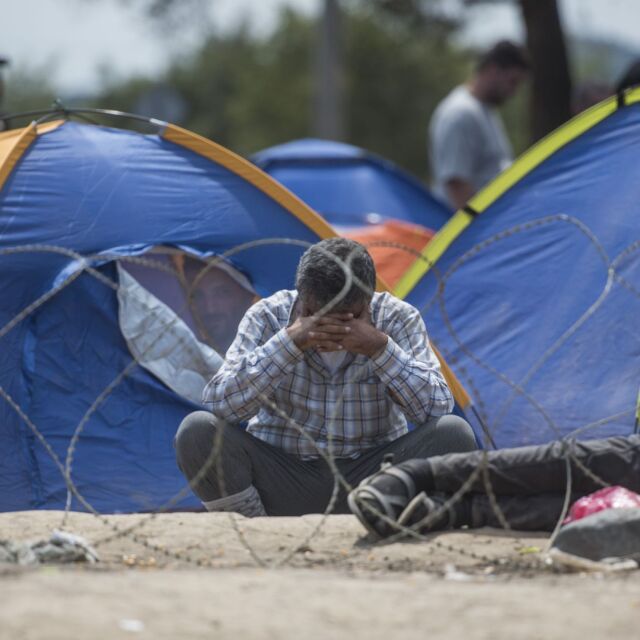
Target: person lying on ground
<point>331,368</point>
<point>528,484</point>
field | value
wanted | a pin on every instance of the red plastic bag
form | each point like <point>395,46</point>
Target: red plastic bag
<point>607,498</point>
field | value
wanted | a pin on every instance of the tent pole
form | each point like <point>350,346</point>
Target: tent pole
<point>59,110</point>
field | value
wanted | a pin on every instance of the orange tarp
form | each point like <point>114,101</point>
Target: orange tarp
<point>394,258</point>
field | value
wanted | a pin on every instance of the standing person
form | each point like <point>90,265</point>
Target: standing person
<point>468,145</point>
<point>331,367</point>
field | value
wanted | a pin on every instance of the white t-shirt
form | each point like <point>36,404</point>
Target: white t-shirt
<point>333,359</point>
<point>467,140</point>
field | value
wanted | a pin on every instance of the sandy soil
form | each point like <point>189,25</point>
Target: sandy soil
<point>190,576</point>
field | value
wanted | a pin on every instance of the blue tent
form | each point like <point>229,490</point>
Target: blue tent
<point>349,186</point>
<point>74,197</point>
<point>535,294</point>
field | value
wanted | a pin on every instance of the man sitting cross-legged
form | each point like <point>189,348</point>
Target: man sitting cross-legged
<point>331,368</point>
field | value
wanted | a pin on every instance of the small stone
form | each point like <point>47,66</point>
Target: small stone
<point>305,548</point>
<point>131,625</point>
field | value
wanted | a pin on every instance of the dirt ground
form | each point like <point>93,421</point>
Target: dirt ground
<point>190,575</point>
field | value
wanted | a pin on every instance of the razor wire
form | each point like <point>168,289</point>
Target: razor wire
<point>85,265</point>
<point>82,265</point>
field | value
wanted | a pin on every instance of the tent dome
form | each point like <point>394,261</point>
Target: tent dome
<point>535,294</point>
<point>349,186</point>
<point>76,201</point>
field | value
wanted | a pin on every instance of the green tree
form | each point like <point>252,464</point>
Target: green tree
<point>26,89</point>
<point>551,83</point>
<point>242,91</point>
<point>250,92</point>
<point>398,70</point>
<point>400,58</point>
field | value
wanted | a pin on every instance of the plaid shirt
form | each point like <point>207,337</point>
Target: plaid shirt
<point>364,403</point>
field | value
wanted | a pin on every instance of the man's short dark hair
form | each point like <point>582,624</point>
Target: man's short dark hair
<point>505,55</point>
<point>321,273</point>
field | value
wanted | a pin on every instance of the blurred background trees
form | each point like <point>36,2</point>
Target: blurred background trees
<point>390,63</point>
<point>248,92</point>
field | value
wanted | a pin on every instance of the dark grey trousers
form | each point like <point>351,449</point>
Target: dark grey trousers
<point>288,485</point>
<point>529,483</point>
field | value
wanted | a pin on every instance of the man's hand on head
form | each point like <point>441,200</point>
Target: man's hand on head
<point>324,333</point>
<point>362,337</point>
<point>338,332</point>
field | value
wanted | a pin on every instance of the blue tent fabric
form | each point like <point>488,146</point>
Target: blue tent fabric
<point>124,458</point>
<point>525,295</point>
<point>135,191</point>
<point>349,186</point>
<point>101,192</point>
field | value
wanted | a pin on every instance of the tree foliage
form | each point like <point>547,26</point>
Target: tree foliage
<point>27,89</point>
<point>397,72</point>
<point>249,92</point>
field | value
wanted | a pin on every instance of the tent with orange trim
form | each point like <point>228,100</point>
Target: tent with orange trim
<point>84,211</point>
<point>75,201</point>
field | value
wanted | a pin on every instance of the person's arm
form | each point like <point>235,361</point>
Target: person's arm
<point>253,367</point>
<point>454,156</point>
<point>412,373</point>
<point>459,191</point>
<point>404,362</point>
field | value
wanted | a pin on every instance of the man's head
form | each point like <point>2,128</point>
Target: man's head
<point>322,275</point>
<point>499,72</point>
<point>220,295</point>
